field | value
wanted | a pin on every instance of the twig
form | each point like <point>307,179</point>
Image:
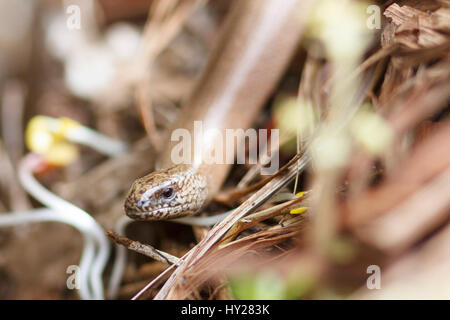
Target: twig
<point>144,249</point>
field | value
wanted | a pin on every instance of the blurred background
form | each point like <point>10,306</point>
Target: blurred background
<point>89,90</point>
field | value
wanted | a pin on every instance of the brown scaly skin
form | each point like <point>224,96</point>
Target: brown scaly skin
<point>166,194</point>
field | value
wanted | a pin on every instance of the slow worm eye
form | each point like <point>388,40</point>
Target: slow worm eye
<point>168,193</point>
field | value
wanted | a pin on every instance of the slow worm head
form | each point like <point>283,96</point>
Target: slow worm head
<point>168,193</point>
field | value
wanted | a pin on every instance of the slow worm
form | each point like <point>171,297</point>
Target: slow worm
<point>258,40</point>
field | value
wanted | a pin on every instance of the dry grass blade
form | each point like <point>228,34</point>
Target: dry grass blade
<point>257,217</point>
<point>214,263</point>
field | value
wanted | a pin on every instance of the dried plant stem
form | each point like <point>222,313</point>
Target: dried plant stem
<point>144,249</point>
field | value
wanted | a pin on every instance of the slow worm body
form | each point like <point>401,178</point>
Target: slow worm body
<point>258,39</point>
